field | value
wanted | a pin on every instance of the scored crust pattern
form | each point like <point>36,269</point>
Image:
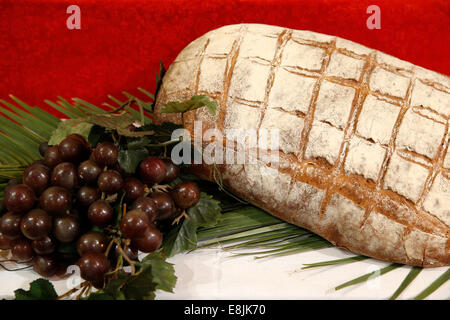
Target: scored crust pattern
<point>363,136</point>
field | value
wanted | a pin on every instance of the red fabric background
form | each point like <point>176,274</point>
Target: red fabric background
<point>121,42</point>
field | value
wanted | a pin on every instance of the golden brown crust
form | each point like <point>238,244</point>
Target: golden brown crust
<point>394,210</point>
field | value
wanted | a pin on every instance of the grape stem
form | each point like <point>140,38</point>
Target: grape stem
<point>72,291</point>
<point>124,255</point>
<point>177,219</point>
<point>165,143</point>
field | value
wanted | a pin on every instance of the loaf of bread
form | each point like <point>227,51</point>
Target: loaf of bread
<point>364,137</point>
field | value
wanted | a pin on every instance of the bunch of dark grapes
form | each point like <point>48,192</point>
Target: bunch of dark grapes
<point>68,198</point>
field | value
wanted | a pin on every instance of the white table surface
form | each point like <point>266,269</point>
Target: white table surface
<point>214,274</point>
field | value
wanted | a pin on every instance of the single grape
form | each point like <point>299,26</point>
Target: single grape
<point>100,213</point>
<point>46,266</point>
<point>44,246</point>
<point>19,198</point>
<point>133,224</point>
<point>164,204</point>
<point>5,243</point>
<point>78,137</point>
<point>93,266</point>
<point>147,205</point>
<point>43,147</point>
<point>110,181</point>
<point>64,175</point>
<point>172,171</point>
<point>37,177</point>
<point>52,157</point>
<point>105,154</point>
<point>71,150</point>
<point>133,189</point>
<point>36,224</point>
<point>87,196</point>
<point>22,251</point>
<point>10,225</point>
<point>186,194</point>
<point>152,170</point>
<point>150,241</point>
<point>66,228</point>
<point>88,172</point>
<point>92,242</point>
<point>55,200</point>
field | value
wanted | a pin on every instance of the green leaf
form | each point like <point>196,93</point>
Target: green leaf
<point>40,289</point>
<point>140,286</point>
<point>443,278</point>
<point>194,103</point>
<point>118,122</point>
<point>130,159</point>
<point>334,262</point>
<point>96,135</point>
<point>205,213</point>
<point>413,273</point>
<point>368,276</point>
<point>163,272</point>
<point>70,126</point>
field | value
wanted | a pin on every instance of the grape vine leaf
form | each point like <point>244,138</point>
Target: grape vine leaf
<point>163,271</point>
<point>205,213</point>
<point>67,127</point>
<point>40,289</point>
<point>130,159</point>
<point>119,122</point>
<point>194,103</point>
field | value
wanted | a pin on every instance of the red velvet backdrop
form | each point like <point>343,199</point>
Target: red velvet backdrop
<point>121,42</point>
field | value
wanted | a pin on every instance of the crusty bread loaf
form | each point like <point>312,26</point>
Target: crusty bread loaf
<point>364,158</point>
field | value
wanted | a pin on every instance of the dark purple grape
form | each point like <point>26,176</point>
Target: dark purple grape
<point>52,157</point>
<point>93,266</point>
<point>22,251</point>
<point>44,246</point>
<point>185,194</point>
<point>133,224</point>
<point>105,154</point>
<point>150,241</point>
<point>71,150</point>
<point>37,177</point>
<point>46,266</point>
<point>55,200</point>
<point>66,228</point>
<point>147,205</point>
<point>92,242</point>
<point>152,170</point>
<point>100,213</point>
<point>36,224</point>
<point>133,189</point>
<point>110,181</point>
<point>88,172</point>
<point>164,205</point>
<point>19,198</point>
<point>172,171</point>
<point>43,147</point>
<point>10,225</point>
<point>87,196</point>
<point>64,175</point>
<point>5,243</point>
<point>78,137</point>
